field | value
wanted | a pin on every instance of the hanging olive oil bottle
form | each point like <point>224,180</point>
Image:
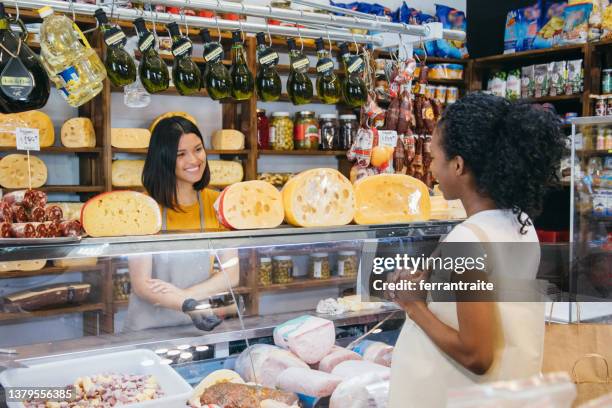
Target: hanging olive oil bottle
<point>186,74</point>
<point>354,88</point>
<point>242,79</point>
<point>153,70</point>
<point>120,66</point>
<point>268,81</point>
<point>299,86</point>
<point>328,83</point>
<point>217,79</point>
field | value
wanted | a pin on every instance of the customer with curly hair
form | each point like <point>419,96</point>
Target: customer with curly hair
<point>497,157</point>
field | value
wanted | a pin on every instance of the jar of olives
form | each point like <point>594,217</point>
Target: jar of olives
<point>281,131</point>
<point>348,130</point>
<point>282,269</point>
<point>265,271</point>
<point>347,264</point>
<point>121,286</point>
<point>306,131</point>
<point>328,125</point>
<point>318,267</point>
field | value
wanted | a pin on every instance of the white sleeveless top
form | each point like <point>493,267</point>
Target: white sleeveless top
<point>421,373</point>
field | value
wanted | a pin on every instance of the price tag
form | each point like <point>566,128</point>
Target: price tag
<point>27,139</point>
<point>387,138</point>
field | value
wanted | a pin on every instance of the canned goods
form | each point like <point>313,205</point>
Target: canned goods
<point>606,81</point>
<point>440,94</point>
<point>430,91</point>
<point>601,107</point>
<point>452,94</point>
<point>609,106</point>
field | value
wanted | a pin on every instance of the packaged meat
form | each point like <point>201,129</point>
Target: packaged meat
<point>233,395</point>
<point>41,230</point>
<point>16,171</point>
<point>309,337</point>
<point>71,228</point>
<point>375,351</point>
<point>53,213</point>
<point>33,265</point>
<point>399,156</point>
<point>308,382</point>
<point>357,392</point>
<point>354,368</point>
<point>23,230</point>
<point>20,214</point>
<point>336,356</point>
<point>45,296</point>
<point>36,214</point>
<point>263,363</point>
<point>250,205</point>
<point>361,150</point>
<point>406,116</point>
<point>6,230</point>
<point>409,149</point>
<point>6,213</point>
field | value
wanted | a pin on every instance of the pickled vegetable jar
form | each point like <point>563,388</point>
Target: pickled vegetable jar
<point>281,131</point>
<point>306,131</point>
<point>348,130</point>
<point>348,264</point>
<point>318,267</point>
<point>282,269</point>
<point>265,271</point>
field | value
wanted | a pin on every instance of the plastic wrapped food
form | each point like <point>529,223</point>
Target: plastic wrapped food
<point>576,23</point>
<point>375,351</point>
<point>263,363</point>
<point>309,337</point>
<point>336,356</point>
<point>354,393</point>
<point>361,150</point>
<point>305,381</point>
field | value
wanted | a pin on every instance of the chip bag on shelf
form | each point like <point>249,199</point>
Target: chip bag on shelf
<point>552,24</point>
<point>606,23</point>
<point>576,23</point>
<point>451,19</point>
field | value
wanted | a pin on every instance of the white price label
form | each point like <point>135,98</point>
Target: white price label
<point>387,138</point>
<point>27,139</point>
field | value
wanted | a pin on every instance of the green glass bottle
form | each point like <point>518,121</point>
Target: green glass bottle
<point>354,88</point>
<point>153,70</point>
<point>299,86</point>
<point>217,79</point>
<point>268,81</point>
<point>242,79</point>
<point>328,83</point>
<point>186,74</point>
<point>120,66</point>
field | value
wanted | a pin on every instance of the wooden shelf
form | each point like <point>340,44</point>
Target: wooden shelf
<point>130,151</point>
<point>307,283</point>
<point>57,150</point>
<point>87,307</point>
<point>558,98</point>
<point>453,82</point>
<point>532,54</point>
<point>594,152</point>
<point>50,270</point>
<point>66,189</point>
<point>440,60</point>
<point>208,151</point>
<point>303,152</point>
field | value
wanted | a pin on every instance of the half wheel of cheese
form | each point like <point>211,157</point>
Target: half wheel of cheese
<point>15,172</point>
<point>250,205</point>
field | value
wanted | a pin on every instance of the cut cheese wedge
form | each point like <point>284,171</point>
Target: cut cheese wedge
<point>31,265</point>
<point>14,171</point>
<point>391,198</point>
<point>169,115</point>
<point>75,262</point>
<point>225,172</point>
<point>127,173</point>
<point>126,138</point>
<point>30,119</point>
<point>120,213</point>
<point>78,132</point>
<point>250,205</point>
<point>71,211</point>
<point>317,198</point>
<point>228,139</point>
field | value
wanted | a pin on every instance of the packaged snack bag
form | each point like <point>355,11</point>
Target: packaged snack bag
<point>452,19</point>
<point>576,25</point>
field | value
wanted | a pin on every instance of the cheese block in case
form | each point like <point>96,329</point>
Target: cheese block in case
<point>250,205</point>
<point>127,173</point>
<point>14,171</point>
<point>391,198</point>
<point>120,213</point>
<point>318,198</point>
<point>130,138</point>
<point>169,115</point>
<point>45,296</point>
<point>225,172</point>
<point>71,211</point>
<point>228,139</point>
<point>32,265</point>
<point>78,132</point>
<point>76,262</point>
<point>30,119</point>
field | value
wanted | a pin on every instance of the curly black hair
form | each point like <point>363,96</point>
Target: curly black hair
<point>512,148</point>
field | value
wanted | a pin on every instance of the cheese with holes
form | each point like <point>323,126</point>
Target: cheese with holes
<point>71,211</point>
<point>127,138</point>
<point>30,119</point>
<point>169,115</point>
<point>78,132</point>
<point>391,198</point>
<point>74,263</point>
<point>319,197</point>
<point>31,265</point>
<point>442,209</point>
<point>120,213</point>
<point>225,172</point>
<point>127,173</point>
<point>250,205</point>
<point>228,139</point>
<point>14,171</point>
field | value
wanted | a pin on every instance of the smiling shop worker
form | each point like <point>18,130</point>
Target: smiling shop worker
<point>497,157</point>
<point>176,174</point>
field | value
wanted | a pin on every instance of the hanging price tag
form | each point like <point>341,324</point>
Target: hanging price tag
<point>27,139</point>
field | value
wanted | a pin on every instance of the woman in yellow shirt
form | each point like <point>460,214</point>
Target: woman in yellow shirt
<point>166,287</point>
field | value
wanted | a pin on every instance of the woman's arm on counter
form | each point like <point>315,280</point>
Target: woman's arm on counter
<point>154,291</point>
<point>218,283</point>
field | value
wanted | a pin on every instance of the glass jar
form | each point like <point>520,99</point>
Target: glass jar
<point>318,266</point>
<point>263,130</point>
<point>281,131</point>
<point>347,264</point>
<point>282,269</point>
<point>265,271</point>
<point>306,131</point>
<point>328,131</point>
<point>606,82</point>
<point>348,131</point>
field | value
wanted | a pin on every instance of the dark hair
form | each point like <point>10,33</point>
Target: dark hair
<point>159,173</point>
<point>512,148</point>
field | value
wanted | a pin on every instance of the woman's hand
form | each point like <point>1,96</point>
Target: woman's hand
<point>160,286</point>
<point>411,300</point>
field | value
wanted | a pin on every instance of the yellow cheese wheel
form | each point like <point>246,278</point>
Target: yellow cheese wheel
<point>78,132</point>
<point>14,171</point>
<point>127,173</point>
<point>225,172</point>
<point>71,211</point>
<point>120,213</point>
<point>30,119</point>
<point>318,197</point>
<point>391,198</point>
<point>250,205</point>
<point>31,265</point>
<point>169,115</point>
<point>126,138</point>
<point>228,139</point>
<point>74,263</point>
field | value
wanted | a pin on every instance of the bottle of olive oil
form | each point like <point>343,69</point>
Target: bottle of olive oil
<point>186,74</point>
<point>353,87</point>
<point>268,81</point>
<point>217,79</point>
<point>299,86</point>
<point>328,83</point>
<point>242,79</point>
<point>153,70</point>
<point>120,66</point>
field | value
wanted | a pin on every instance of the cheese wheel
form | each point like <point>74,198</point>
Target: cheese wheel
<point>225,172</point>
<point>318,197</point>
<point>14,171</point>
<point>30,119</point>
<point>71,211</point>
<point>78,132</point>
<point>250,205</point>
<point>76,262</point>
<point>169,115</point>
<point>31,265</point>
<point>127,173</point>
<point>120,213</point>
<point>391,198</point>
<point>228,139</point>
<point>126,138</point>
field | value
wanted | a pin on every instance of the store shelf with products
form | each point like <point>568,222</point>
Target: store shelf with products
<point>303,152</point>
<point>86,307</point>
<point>50,270</point>
<point>58,150</point>
<point>65,189</point>
<point>307,283</point>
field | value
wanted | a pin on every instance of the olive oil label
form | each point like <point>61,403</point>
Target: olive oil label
<point>355,64</point>
<point>16,81</point>
<point>182,49</point>
<point>325,66</point>
<point>146,42</point>
<point>214,54</point>
<point>114,37</point>
<point>268,57</point>
<point>300,64</point>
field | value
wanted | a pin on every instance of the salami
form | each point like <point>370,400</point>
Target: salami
<point>6,213</point>
<point>417,163</point>
<point>409,148</point>
<point>27,198</point>
<point>70,228</point>
<point>41,230</point>
<point>19,213</point>
<point>406,115</point>
<point>399,156</point>
<point>23,230</point>
<point>429,119</point>
<point>37,214</point>
<point>437,109</point>
<point>5,230</point>
<point>427,151</point>
<point>53,229</point>
<point>14,197</point>
<point>393,113</point>
<point>53,213</point>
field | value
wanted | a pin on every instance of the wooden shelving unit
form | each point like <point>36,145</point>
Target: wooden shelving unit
<point>86,307</point>
<point>303,152</point>
<point>49,270</point>
<point>306,283</point>
<point>59,150</point>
